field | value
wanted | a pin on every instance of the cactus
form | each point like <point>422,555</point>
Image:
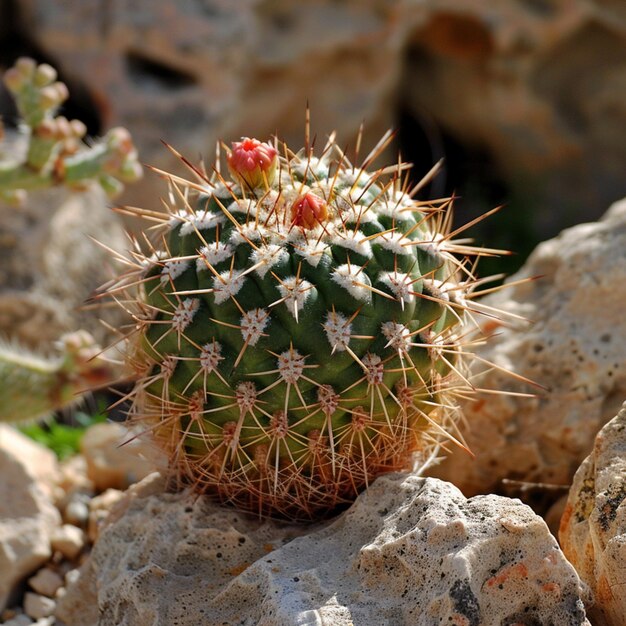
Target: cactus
<point>300,328</point>
<point>56,153</point>
<point>33,387</point>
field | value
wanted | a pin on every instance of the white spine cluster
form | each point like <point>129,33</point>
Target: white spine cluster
<point>354,281</point>
<point>354,241</point>
<point>290,366</point>
<point>253,324</point>
<point>400,285</point>
<point>172,270</point>
<point>295,292</point>
<point>374,369</point>
<point>266,257</point>
<point>227,284</point>
<point>245,396</point>
<point>183,315</point>
<point>212,254</point>
<point>201,221</point>
<point>398,336</point>
<point>210,357</point>
<point>337,331</point>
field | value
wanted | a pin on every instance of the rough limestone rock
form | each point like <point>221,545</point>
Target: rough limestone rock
<point>410,551</point>
<point>574,348</point>
<point>51,265</point>
<point>593,527</point>
<point>538,85</point>
<point>28,516</point>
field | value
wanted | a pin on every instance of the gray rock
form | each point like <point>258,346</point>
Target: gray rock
<point>574,348</point>
<point>37,606</point>
<point>51,265</point>
<point>593,527</point>
<point>46,582</point>
<point>410,551</point>
<point>28,516</point>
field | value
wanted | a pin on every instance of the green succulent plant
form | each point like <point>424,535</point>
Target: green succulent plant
<point>301,326</point>
<point>55,153</point>
<point>34,386</point>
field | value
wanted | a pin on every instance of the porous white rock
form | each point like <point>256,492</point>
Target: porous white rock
<point>27,514</point>
<point>593,527</point>
<point>574,348</point>
<point>410,551</point>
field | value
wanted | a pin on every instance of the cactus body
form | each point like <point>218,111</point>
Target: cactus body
<point>298,329</point>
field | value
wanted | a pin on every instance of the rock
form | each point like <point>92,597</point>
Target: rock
<point>68,540</point>
<point>593,527</point>
<point>115,457</point>
<point>46,582</point>
<point>410,551</point>
<point>73,477</point>
<point>37,606</point>
<point>19,620</point>
<point>574,349</point>
<point>225,70</point>
<point>27,515</point>
<point>51,265</point>
<point>99,509</point>
<point>77,511</point>
<point>538,86</point>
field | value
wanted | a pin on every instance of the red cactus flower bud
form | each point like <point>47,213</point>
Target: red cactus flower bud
<point>252,162</point>
<point>308,210</point>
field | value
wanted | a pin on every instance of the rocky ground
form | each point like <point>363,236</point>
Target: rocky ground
<point>51,514</point>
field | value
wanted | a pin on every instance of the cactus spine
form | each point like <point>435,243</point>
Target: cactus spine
<point>299,327</point>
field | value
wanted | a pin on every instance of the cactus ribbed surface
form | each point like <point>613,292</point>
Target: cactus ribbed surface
<point>300,327</point>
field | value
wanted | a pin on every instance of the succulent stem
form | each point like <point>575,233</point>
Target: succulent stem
<point>32,387</point>
<point>56,154</point>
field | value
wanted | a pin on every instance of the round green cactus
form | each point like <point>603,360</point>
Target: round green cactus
<point>299,327</point>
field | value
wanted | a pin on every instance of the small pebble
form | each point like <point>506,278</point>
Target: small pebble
<point>61,591</point>
<point>100,506</point>
<point>72,576</point>
<point>46,582</point>
<point>77,513</point>
<point>19,620</point>
<point>68,540</point>
<point>38,606</point>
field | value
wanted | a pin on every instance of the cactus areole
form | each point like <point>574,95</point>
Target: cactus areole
<point>299,328</point>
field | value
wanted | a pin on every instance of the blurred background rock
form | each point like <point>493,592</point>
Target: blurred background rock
<point>525,99</point>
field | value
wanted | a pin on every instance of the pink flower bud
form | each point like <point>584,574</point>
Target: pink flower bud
<point>308,211</point>
<point>252,162</point>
